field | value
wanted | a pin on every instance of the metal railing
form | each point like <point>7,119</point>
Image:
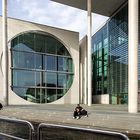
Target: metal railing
<point>57,132</point>
<point>17,121</point>
<point>83,131</point>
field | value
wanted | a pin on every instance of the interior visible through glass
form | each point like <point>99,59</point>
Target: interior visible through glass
<point>42,68</point>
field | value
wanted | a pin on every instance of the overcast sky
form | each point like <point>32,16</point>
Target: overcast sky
<point>52,14</point>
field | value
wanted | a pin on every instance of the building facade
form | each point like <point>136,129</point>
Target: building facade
<point>109,66</point>
<point>110,58</point>
<point>109,61</point>
<point>43,64</point>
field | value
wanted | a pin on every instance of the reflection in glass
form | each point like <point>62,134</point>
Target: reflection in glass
<point>42,68</point>
<point>51,45</point>
<point>51,79</point>
<point>51,95</point>
<point>62,80</point>
<point>110,63</point>
<point>51,63</point>
<point>65,64</point>
<point>23,78</point>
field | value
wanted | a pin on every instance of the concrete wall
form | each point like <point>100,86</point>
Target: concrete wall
<point>101,99</point>
<point>68,38</point>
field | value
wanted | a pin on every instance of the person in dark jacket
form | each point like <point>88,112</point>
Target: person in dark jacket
<point>1,106</point>
<point>78,111</point>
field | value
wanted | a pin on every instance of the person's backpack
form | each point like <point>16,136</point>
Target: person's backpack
<point>83,112</point>
<point>1,106</point>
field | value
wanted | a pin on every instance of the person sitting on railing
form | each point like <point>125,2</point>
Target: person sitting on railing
<point>79,111</point>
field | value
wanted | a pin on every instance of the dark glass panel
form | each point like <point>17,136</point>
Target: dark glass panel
<point>51,95</point>
<point>28,40</point>
<point>51,79</point>
<point>14,42</point>
<point>39,43</point>
<point>61,50</point>
<point>60,93</point>
<point>51,45</point>
<point>41,95</point>
<point>30,95</point>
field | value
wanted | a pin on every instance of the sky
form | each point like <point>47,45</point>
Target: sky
<point>53,14</point>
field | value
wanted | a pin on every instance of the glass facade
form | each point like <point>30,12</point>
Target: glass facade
<point>110,58</point>
<point>42,68</point>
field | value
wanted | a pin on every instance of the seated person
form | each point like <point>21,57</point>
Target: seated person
<point>79,111</point>
<point>1,106</point>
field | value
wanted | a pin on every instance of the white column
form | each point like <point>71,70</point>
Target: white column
<point>89,34</point>
<point>5,52</point>
<point>133,56</point>
<point>85,77</point>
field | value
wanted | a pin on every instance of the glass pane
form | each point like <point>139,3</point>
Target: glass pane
<point>51,95</point>
<point>40,95</point>
<point>23,78</point>
<point>30,95</point>
<point>22,47</point>
<point>70,65</point>
<point>65,64</point>
<point>38,61</point>
<point>28,40</point>
<point>28,60</point>
<point>60,93</point>
<point>20,92</point>
<point>51,79</point>
<point>69,80</point>
<point>51,63</point>
<point>51,45</point>
<point>61,50</point>
<point>39,43</point>
<point>62,80</point>
<point>38,79</point>
<point>23,60</point>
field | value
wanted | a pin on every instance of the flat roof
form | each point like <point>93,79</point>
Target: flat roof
<point>102,7</point>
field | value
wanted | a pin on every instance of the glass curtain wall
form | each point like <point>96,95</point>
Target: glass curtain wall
<point>42,68</point>
<point>110,58</point>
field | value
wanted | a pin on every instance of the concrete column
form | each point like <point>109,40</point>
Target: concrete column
<point>133,56</point>
<point>5,52</point>
<point>85,78</point>
<point>89,34</point>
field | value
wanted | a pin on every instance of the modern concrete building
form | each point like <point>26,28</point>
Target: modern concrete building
<point>43,64</point>
<point>108,60</point>
<point>111,84</point>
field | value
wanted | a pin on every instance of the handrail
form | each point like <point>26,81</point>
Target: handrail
<point>95,131</point>
<point>9,136</point>
<point>14,120</point>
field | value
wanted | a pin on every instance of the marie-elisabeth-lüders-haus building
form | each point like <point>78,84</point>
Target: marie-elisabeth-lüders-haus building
<point>50,65</point>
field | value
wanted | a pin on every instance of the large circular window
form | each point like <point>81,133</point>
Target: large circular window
<point>42,68</point>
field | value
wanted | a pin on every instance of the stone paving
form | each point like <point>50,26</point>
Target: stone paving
<point>106,117</point>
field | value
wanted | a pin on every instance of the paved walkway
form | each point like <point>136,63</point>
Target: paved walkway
<point>107,117</point>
